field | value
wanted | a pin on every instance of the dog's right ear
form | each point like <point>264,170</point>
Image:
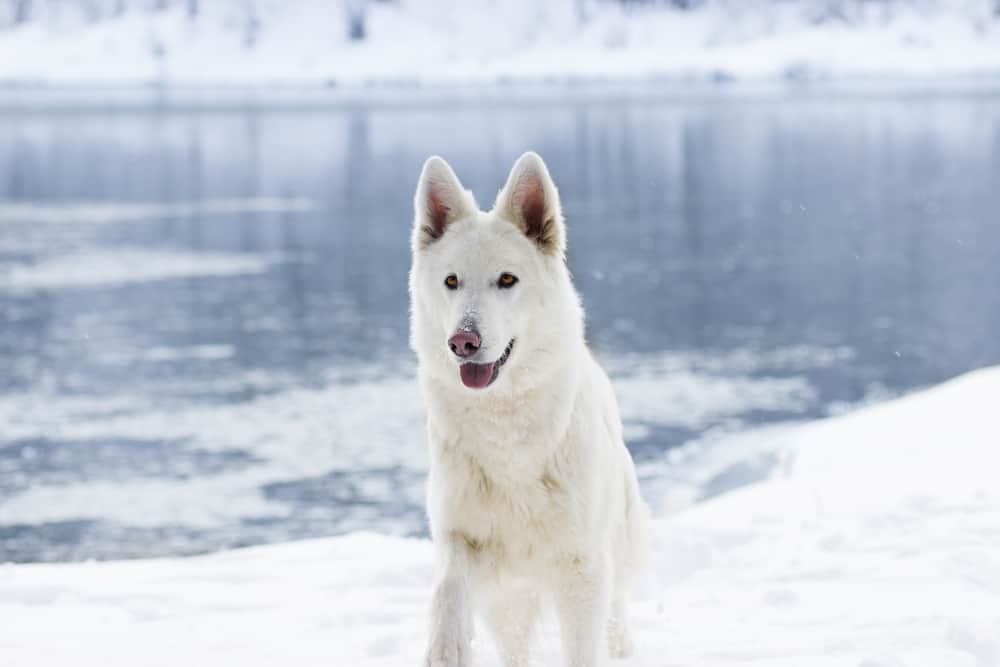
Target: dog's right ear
<point>440,201</point>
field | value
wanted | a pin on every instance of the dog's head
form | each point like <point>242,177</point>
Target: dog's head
<point>491,297</point>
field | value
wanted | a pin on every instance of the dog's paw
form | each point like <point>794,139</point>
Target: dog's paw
<point>620,644</point>
<point>623,648</point>
<point>447,651</point>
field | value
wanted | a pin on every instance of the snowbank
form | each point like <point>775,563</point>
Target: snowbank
<point>272,43</point>
<point>877,545</point>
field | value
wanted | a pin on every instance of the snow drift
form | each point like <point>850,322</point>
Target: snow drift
<point>877,544</point>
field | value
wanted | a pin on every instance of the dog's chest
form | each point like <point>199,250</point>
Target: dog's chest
<point>512,511</point>
<point>509,524</point>
<point>500,486</point>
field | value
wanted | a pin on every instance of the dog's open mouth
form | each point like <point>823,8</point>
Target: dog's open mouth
<point>480,376</point>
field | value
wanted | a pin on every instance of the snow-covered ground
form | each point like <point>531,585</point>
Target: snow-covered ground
<point>877,544</point>
<point>271,42</point>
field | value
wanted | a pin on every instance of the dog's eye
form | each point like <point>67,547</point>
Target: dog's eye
<point>507,280</point>
<point>451,282</point>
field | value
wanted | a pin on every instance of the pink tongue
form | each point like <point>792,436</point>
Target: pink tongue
<point>476,376</point>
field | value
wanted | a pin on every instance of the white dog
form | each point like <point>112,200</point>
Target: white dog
<point>532,495</point>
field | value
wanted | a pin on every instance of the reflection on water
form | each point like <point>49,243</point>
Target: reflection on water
<point>203,315</point>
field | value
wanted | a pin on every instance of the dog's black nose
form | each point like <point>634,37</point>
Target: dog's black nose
<point>464,343</point>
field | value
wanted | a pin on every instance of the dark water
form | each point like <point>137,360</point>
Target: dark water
<point>203,314</point>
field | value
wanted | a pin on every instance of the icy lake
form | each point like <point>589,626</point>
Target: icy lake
<point>203,311</point>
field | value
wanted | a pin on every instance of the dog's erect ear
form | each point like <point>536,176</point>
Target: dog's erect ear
<point>440,201</point>
<point>530,201</point>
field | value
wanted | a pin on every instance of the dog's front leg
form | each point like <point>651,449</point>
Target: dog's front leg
<point>582,599</point>
<point>451,609</point>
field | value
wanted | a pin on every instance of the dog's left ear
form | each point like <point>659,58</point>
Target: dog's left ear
<point>530,200</point>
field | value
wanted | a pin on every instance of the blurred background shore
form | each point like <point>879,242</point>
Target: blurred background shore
<point>379,43</point>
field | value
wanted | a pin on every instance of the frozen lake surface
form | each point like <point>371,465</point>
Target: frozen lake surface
<point>203,314</point>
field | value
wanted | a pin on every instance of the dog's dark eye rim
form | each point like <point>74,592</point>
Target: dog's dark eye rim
<point>506,280</point>
<point>451,281</point>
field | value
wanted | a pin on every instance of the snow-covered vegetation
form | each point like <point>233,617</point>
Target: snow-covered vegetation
<point>343,42</point>
<point>875,546</point>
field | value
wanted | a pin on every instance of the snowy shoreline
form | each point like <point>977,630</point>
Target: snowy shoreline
<point>876,544</point>
<point>409,46</point>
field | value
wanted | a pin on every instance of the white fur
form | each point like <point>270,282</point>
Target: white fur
<point>532,495</point>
